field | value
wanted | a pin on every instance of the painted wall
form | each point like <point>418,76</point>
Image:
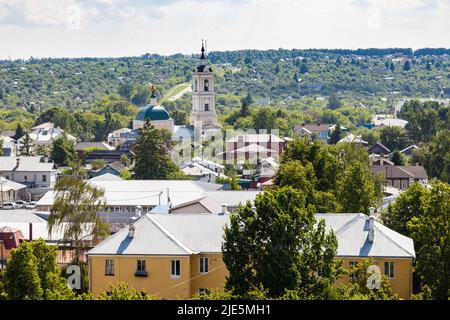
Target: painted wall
<point>159,282</point>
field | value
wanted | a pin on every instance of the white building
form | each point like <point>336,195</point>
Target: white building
<point>44,135</point>
<point>29,171</point>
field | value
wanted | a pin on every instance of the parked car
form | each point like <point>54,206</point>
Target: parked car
<point>21,203</point>
<point>31,205</point>
<point>10,205</point>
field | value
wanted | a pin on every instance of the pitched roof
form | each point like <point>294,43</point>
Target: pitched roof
<point>255,138</point>
<point>380,145</point>
<point>81,146</point>
<point>392,172</point>
<point>106,177</point>
<point>165,234</point>
<point>312,127</point>
<point>413,146</point>
<point>10,185</point>
<point>27,164</point>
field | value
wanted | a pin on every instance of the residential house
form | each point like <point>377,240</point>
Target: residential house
<point>44,135</point>
<point>247,146</point>
<point>401,177</point>
<point>381,120</point>
<point>109,156</point>
<point>114,168</point>
<point>30,171</point>
<point>177,256</point>
<point>81,148</point>
<point>123,198</point>
<point>119,136</point>
<point>353,139</point>
<point>317,131</point>
<point>11,191</point>
<point>379,149</point>
<point>409,150</point>
<point>9,146</point>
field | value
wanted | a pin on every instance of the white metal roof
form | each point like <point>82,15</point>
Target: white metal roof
<point>26,164</point>
<point>166,234</point>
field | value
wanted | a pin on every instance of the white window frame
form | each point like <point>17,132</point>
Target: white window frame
<point>204,264</point>
<point>109,267</point>
<point>390,269</point>
<point>173,269</point>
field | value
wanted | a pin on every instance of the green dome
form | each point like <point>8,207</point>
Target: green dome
<point>152,113</point>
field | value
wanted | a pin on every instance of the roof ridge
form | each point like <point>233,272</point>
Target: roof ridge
<point>348,224</point>
<point>170,235</point>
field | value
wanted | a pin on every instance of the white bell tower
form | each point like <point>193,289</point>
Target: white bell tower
<point>203,101</point>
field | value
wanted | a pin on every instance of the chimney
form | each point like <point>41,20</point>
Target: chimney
<point>224,209</point>
<point>371,224</point>
<point>132,228</point>
<point>30,231</point>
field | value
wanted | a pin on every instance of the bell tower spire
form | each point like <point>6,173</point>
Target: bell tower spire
<point>203,97</point>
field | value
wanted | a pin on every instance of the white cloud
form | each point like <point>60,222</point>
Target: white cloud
<point>133,27</point>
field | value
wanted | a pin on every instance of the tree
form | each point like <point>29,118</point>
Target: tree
<point>357,288</point>
<point>123,291</point>
<point>60,117</point>
<point>392,67</point>
<point>277,246</point>
<point>333,102</point>
<point>245,104</point>
<point>19,132</point>
<point>436,156</point>
<point>142,96</point>
<point>98,164</point>
<point>22,275</point>
<point>295,78</point>
<point>304,68</point>
<point>78,202</point>
<point>336,135</point>
<point>63,151</point>
<point>407,66</point>
<point>152,160</point>
<point>126,91</point>
<point>393,137</point>
<point>406,206</point>
<point>397,158</point>
<point>26,146</point>
<point>357,191</point>
<point>431,234</point>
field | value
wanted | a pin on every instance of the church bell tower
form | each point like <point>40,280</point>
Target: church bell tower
<point>203,101</point>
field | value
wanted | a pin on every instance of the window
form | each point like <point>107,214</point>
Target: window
<point>206,85</point>
<point>389,270</point>
<point>109,267</point>
<point>141,269</point>
<point>352,275</point>
<point>397,184</point>
<point>404,184</point>
<point>204,265</point>
<point>206,107</point>
<point>175,269</point>
<point>25,178</point>
<point>195,87</point>
<point>44,178</point>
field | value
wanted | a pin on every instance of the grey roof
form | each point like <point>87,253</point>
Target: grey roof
<point>145,192</point>
<point>106,177</point>
<point>97,145</point>
<point>26,164</point>
<point>165,234</point>
<point>352,232</point>
<point>10,185</point>
<point>392,172</point>
<point>232,198</point>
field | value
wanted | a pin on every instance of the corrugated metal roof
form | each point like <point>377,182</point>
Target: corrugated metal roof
<point>26,164</point>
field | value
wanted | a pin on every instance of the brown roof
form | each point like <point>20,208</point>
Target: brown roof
<point>400,172</point>
<point>313,127</point>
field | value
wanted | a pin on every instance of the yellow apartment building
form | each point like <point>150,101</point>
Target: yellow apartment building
<point>177,256</point>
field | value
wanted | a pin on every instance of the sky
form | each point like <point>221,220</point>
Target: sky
<point>116,28</point>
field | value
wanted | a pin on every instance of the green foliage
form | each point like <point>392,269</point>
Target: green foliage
<point>98,164</point>
<point>397,158</point>
<point>431,234</point>
<point>125,174</point>
<point>394,138</point>
<point>334,102</point>
<point>26,146</point>
<point>406,206</point>
<point>21,278</point>
<point>19,132</point>
<point>79,202</point>
<point>357,288</point>
<point>152,160</point>
<point>122,291</point>
<point>435,156</point>
<point>334,178</point>
<point>336,135</point>
<point>63,151</point>
<point>278,246</point>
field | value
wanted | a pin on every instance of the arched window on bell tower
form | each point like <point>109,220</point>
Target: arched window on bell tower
<point>206,87</point>
<point>196,86</point>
